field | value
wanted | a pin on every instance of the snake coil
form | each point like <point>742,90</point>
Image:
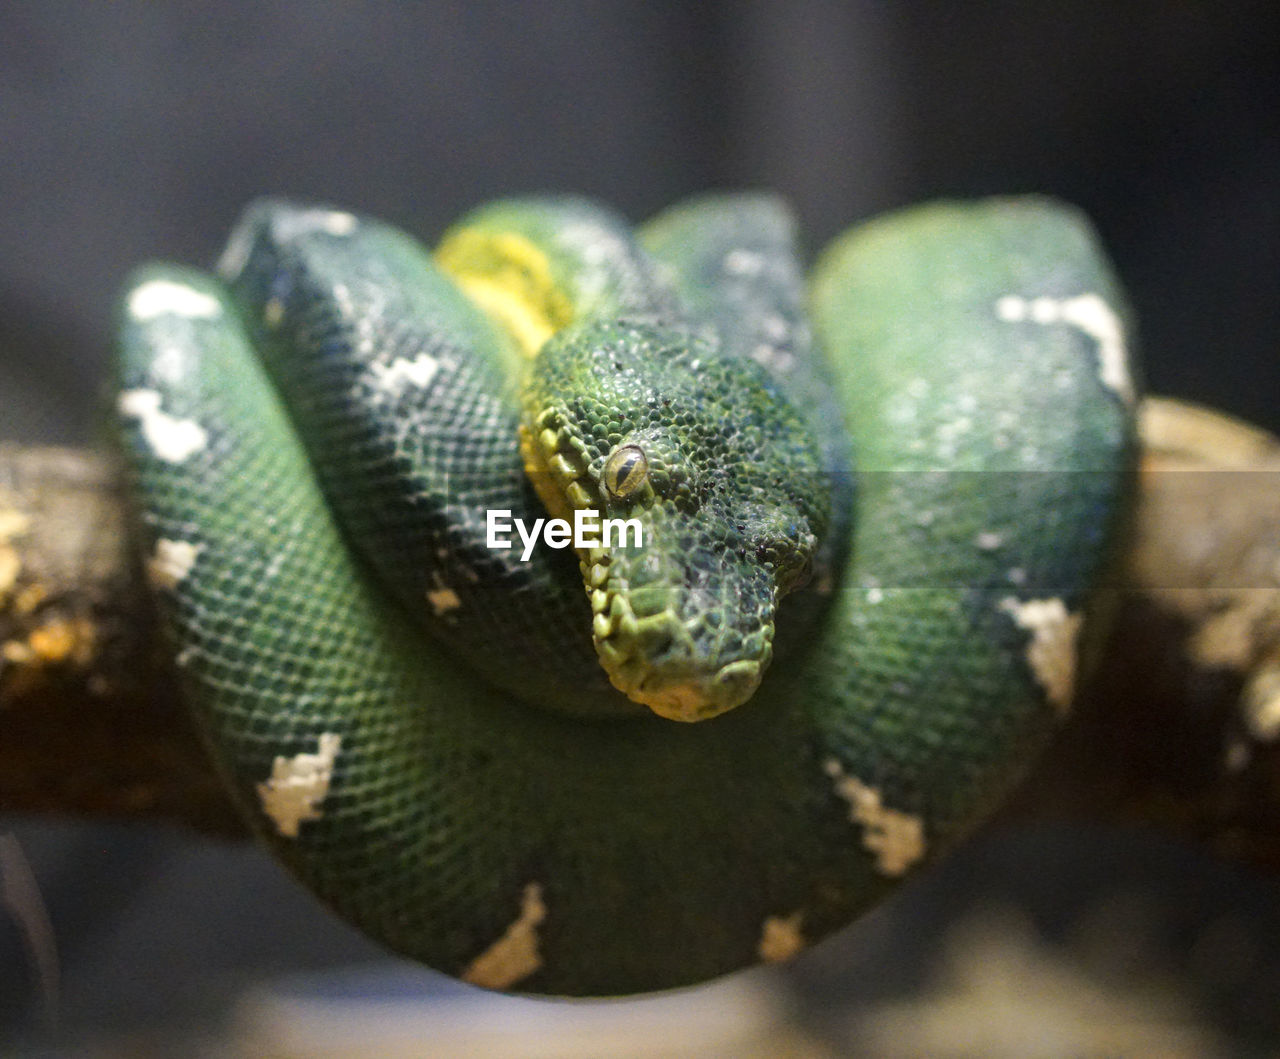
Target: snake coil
<point>874,508</point>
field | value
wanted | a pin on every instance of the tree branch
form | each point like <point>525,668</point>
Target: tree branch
<point>90,722</point>
<point>1178,725</point>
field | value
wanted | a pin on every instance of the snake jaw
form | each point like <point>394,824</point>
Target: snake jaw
<point>658,649</point>
<point>654,660</point>
<point>555,462</point>
<point>697,699</point>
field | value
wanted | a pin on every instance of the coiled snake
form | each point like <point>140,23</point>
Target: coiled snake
<point>866,552</point>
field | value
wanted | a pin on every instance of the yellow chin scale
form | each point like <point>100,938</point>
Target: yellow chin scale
<point>510,279</point>
<point>686,703</point>
<point>546,482</point>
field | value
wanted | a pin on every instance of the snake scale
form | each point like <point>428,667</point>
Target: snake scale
<point>873,504</point>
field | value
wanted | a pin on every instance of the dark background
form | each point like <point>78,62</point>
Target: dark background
<point>135,130</point>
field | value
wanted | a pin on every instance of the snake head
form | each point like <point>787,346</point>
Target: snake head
<point>642,422</point>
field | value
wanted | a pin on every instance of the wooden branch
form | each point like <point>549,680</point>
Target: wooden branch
<point>90,722</point>
<point>1179,724</point>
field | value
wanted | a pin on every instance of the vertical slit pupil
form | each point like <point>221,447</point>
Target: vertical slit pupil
<point>626,470</point>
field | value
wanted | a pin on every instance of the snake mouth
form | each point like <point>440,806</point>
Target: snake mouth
<point>653,660</point>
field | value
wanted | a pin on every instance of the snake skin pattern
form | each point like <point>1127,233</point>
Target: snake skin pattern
<point>421,728</point>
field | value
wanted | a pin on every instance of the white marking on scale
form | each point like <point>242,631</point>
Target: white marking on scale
<point>236,254</point>
<point>593,243</point>
<point>742,262</point>
<point>290,225</point>
<point>772,357</point>
<point>780,938</point>
<point>273,566</point>
<point>1051,654</point>
<point>170,365</point>
<point>1089,313</point>
<point>988,541</point>
<point>298,784</point>
<point>171,562</point>
<point>164,297</point>
<point>947,435</point>
<point>442,598</point>
<point>171,439</point>
<point>902,410</point>
<point>514,956</point>
<point>896,838</point>
<point>338,222</point>
<point>1044,311</point>
<point>341,294</point>
<point>401,372</point>
<point>775,327</point>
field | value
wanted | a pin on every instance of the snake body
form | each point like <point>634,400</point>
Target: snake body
<point>871,546</point>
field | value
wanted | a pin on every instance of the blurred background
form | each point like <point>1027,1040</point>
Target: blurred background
<point>135,130</point>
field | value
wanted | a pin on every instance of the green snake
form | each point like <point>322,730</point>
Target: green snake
<point>861,516</point>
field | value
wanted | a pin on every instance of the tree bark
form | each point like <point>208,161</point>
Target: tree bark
<point>1178,724</point>
<point>90,720</point>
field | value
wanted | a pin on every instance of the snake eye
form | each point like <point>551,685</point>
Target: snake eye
<point>625,471</point>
